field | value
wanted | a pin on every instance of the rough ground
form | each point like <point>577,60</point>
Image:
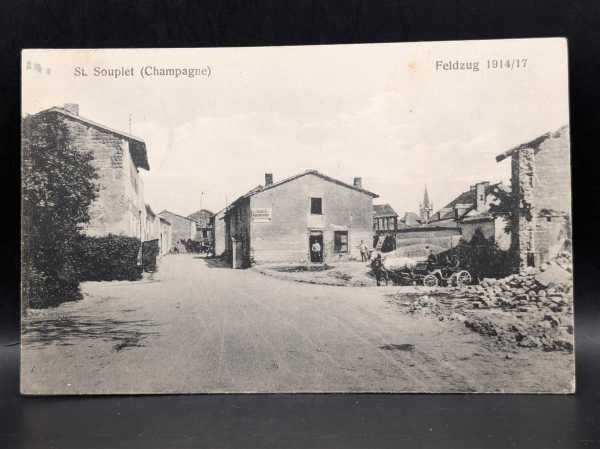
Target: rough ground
<point>199,327</point>
<point>346,274</point>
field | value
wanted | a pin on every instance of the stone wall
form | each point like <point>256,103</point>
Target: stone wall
<point>542,215</point>
<point>119,207</point>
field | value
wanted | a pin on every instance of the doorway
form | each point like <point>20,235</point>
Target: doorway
<point>315,246</point>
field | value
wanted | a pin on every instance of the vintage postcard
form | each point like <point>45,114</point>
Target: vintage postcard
<point>339,218</point>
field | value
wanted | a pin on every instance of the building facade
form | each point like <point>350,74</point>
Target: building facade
<point>385,218</point>
<point>117,158</point>
<point>205,227</point>
<point>282,222</point>
<point>165,235</point>
<point>182,228</point>
<point>541,182</point>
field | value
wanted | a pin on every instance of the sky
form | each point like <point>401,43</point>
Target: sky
<point>378,111</point>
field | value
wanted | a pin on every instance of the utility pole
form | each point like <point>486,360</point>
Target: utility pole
<point>201,196</point>
<point>130,120</point>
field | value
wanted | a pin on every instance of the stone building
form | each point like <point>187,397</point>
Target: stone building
<point>541,181</point>
<point>470,212</point>
<point>458,220</point>
<point>117,157</point>
<point>152,228</point>
<point>280,222</point>
<point>182,228</point>
<point>205,227</point>
<point>165,235</point>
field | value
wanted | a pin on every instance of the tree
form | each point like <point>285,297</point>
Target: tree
<point>504,206</point>
<point>58,186</point>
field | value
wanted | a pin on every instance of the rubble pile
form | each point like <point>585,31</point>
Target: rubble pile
<point>533,310</point>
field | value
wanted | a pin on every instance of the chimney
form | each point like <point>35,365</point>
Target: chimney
<point>72,108</point>
<point>480,188</point>
<point>268,179</point>
<point>358,182</point>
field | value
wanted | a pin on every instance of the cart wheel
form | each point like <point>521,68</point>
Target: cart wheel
<point>430,281</point>
<point>463,278</point>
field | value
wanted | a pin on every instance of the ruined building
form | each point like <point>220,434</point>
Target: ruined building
<point>541,182</point>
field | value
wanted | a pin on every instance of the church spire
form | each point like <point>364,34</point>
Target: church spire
<point>426,198</point>
<point>426,207</point>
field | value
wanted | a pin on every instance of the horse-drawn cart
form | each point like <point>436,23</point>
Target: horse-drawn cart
<point>424,273</point>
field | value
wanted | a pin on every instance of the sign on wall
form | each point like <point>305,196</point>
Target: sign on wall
<point>261,215</point>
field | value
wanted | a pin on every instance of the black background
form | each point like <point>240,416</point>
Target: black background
<point>323,421</point>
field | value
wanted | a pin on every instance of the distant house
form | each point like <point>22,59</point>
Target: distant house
<point>409,220</point>
<point>205,227</point>
<point>385,218</point>
<point>219,233</point>
<point>282,221</point>
<point>117,157</point>
<point>165,235</point>
<point>541,179</point>
<point>182,228</point>
<point>469,212</point>
<point>458,220</point>
<point>152,228</point>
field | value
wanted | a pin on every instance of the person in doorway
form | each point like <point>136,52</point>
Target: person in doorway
<point>364,251</point>
<point>316,250</point>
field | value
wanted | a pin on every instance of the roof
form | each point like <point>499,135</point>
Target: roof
<point>137,146</point>
<point>320,175</point>
<point>165,211</point>
<point>383,210</point>
<point>260,188</point>
<point>535,143</point>
<point>467,198</point>
<point>200,214</point>
<point>165,220</point>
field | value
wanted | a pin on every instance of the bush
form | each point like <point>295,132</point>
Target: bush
<point>481,257</point>
<point>58,186</point>
<point>109,258</point>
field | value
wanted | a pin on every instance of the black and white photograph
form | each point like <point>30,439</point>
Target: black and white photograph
<point>367,218</point>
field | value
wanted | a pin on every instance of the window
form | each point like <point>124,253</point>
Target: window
<point>316,206</point>
<point>340,241</point>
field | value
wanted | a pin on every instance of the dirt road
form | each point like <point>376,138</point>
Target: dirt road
<point>197,326</point>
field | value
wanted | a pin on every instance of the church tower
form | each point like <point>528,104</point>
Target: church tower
<point>426,208</point>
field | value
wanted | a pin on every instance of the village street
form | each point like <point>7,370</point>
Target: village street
<point>197,326</point>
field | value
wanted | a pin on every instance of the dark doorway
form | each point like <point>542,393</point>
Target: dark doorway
<point>315,246</point>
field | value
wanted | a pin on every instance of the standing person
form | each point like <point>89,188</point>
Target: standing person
<point>379,270</point>
<point>316,249</point>
<point>364,251</point>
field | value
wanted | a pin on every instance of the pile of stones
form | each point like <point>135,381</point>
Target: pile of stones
<point>533,309</point>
